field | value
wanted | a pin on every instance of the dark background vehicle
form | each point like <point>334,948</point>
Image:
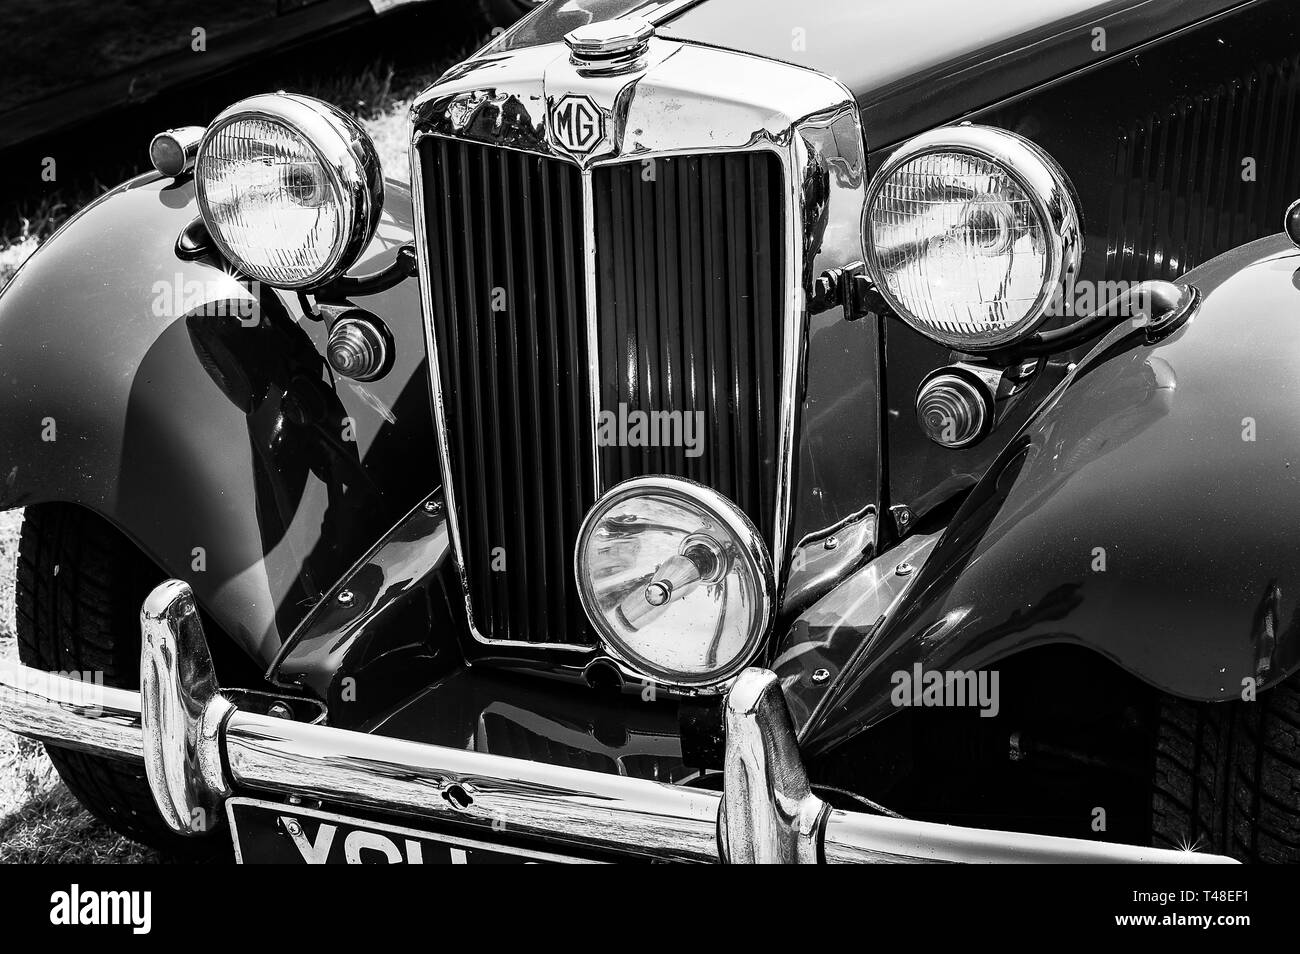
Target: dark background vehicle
<point>65,61</point>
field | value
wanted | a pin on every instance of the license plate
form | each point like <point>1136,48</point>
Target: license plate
<point>276,833</point>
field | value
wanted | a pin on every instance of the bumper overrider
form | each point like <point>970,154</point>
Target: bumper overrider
<point>199,747</point>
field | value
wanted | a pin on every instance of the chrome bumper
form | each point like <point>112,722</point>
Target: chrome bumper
<point>198,748</point>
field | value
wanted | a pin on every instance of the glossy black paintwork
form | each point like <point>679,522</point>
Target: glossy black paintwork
<point>911,65</point>
<point>1151,217</point>
<point>191,430</point>
<point>920,64</point>
<point>396,631</point>
<point>525,718</point>
<point>1180,460</point>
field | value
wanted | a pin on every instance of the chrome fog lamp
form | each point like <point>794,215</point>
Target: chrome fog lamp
<point>676,580</point>
<point>969,233</point>
<point>290,189</point>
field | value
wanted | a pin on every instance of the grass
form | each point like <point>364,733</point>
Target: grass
<point>40,820</point>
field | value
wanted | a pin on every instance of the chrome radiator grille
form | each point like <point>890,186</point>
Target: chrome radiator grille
<point>506,275</point>
<point>689,297</point>
<point>688,305</point>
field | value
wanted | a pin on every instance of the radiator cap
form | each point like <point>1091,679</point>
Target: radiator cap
<point>610,45</point>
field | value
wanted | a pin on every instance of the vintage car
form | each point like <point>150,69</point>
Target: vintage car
<point>760,432</point>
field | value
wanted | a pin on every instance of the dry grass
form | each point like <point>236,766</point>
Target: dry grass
<point>40,821</point>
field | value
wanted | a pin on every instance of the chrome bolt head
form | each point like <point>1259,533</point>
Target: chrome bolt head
<point>657,594</point>
<point>821,676</point>
<point>904,569</point>
<point>1025,369</point>
<point>831,542</point>
<point>433,507</point>
<point>346,597</point>
<point>278,710</point>
<point>292,827</point>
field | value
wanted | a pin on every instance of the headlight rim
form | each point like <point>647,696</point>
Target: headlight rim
<point>348,156</point>
<point>1042,180</point>
<point>741,528</point>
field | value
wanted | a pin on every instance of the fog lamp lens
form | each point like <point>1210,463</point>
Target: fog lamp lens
<point>676,579</point>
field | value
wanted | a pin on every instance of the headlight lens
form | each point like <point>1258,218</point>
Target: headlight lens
<point>290,189</point>
<point>676,579</point>
<point>969,232</point>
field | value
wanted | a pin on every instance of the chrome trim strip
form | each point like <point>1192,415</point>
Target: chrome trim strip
<point>71,712</point>
<point>550,803</point>
<point>793,339</point>
<point>666,10</point>
<point>593,324</point>
<point>435,372</point>
<point>860,838</point>
<point>571,806</point>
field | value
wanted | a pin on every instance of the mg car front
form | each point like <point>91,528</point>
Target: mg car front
<point>771,484</point>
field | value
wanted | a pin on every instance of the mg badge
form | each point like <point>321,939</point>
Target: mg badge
<point>577,124</point>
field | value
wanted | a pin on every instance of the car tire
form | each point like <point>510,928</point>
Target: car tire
<point>1227,776</point>
<point>79,590</point>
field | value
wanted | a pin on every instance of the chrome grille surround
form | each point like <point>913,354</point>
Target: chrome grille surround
<point>685,100</point>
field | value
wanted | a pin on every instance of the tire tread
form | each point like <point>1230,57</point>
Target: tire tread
<point>1227,776</point>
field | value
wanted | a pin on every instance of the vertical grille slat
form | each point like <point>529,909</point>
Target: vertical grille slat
<point>508,314</point>
<point>1180,197</point>
<point>689,298</point>
<point>688,290</point>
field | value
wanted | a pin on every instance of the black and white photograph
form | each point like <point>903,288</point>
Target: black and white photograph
<point>673,431</point>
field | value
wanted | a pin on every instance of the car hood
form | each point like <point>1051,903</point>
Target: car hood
<point>911,66</point>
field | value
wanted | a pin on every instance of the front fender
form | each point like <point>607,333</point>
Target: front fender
<point>195,412</point>
<point>1146,512</point>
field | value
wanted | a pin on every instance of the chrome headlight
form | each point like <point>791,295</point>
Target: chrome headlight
<point>676,580</point>
<point>290,189</point>
<point>969,233</point>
